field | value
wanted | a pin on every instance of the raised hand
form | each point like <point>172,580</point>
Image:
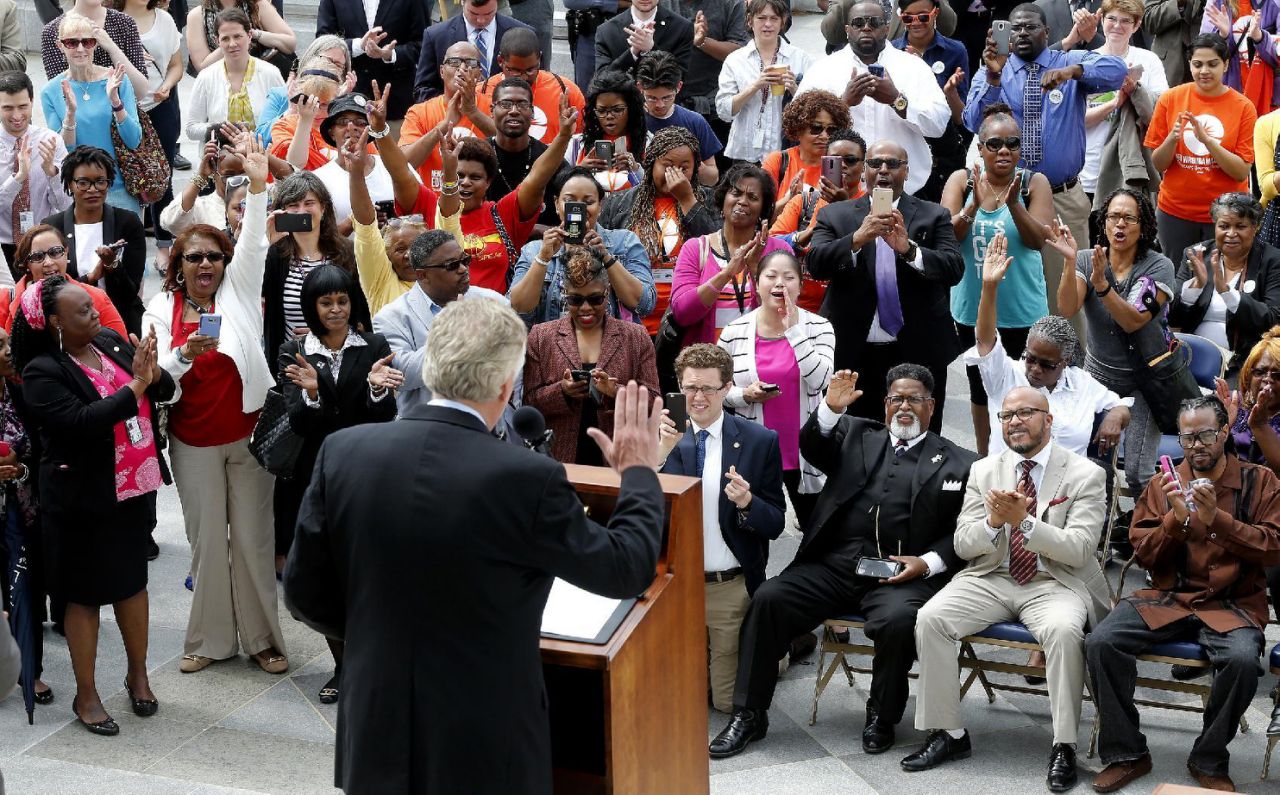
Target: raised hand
<point>699,29</point>
<point>991,58</point>
<point>996,262</point>
<point>1062,241</point>
<point>552,242</point>
<point>23,153</point>
<point>842,390</point>
<point>952,86</point>
<point>1230,398</point>
<point>790,312</point>
<point>568,118</point>
<point>678,185</point>
<point>376,108</point>
<point>304,376</point>
<point>308,108</point>
<point>738,490</point>
<point>383,376</point>
<point>254,156</point>
<point>115,76</point>
<point>69,97</point>
<point>1098,275</point>
<point>48,150</point>
<point>635,430</point>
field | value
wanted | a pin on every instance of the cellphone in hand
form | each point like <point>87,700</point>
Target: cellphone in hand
<point>881,201</point>
<point>876,70</point>
<point>580,375</point>
<point>1166,466</point>
<point>831,170</point>
<point>210,326</point>
<point>677,409</point>
<point>575,222</point>
<point>880,568</point>
<point>604,151</point>
<point>386,208</point>
<point>1000,33</point>
<point>293,222</point>
<point>770,387</point>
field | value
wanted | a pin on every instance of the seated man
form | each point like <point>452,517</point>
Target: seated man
<point>1030,525</point>
<point>893,491</point>
<point>1205,552</point>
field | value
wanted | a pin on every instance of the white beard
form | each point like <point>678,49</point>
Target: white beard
<point>908,432</point>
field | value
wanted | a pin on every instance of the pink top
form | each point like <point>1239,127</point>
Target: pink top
<point>704,323</point>
<point>137,467</point>
<point>776,364</point>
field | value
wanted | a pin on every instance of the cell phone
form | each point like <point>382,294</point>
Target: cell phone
<point>831,170</point>
<point>118,245</point>
<point>876,69</point>
<point>881,202</point>
<point>677,409</point>
<point>4,449</point>
<point>580,375</point>
<point>604,151</point>
<point>1166,466</point>
<point>880,568</point>
<point>575,222</point>
<point>293,222</point>
<point>1000,33</point>
<point>771,387</point>
<point>210,326</point>
<point>387,208</point>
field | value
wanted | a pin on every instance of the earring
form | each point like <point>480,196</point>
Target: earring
<point>60,347</point>
<point>180,279</point>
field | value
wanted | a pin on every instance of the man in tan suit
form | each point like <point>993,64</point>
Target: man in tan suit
<point>1029,528</point>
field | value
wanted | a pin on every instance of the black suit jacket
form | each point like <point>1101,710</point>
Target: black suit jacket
<point>402,20</point>
<point>274,333</point>
<point>440,37</point>
<point>849,457</point>
<point>411,568</point>
<point>928,334</point>
<point>753,450</point>
<point>1259,307</point>
<point>122,284</point>
<point>671,33</point>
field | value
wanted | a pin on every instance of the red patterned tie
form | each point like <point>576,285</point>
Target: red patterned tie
<point>21,202</point>
<point>1022,562</point>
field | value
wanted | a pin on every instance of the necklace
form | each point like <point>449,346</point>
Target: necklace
<point>84,87</point>
<point>1004,194</point>
<point>200,310</point>
<point>528,165</point>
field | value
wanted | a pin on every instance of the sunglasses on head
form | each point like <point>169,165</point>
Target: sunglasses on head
<point>197,257</point>
<point>818,129</point>
<point>892,163</point>
<point>576,299</point>
<point>88,43</point>
<point>996,144</point>
<point>53,252</point>
<point>873,23</point>
<point>452,265</point>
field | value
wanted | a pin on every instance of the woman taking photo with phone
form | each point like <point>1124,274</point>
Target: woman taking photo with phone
<point>615,116</point>
<point>810,120</point>
<point>42,252</point>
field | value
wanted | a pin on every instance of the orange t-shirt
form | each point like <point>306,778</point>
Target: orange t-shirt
<point>1194,180</point>
<point>664,209</point>
<point>422,119</point>
<point>319,153</point>
<point>772,161</point>
<point>546,103</point>
<point>812,290</point>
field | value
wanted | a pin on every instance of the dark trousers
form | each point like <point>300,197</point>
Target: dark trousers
<point>1111,649</point>
<point>583,51</point>
<point>167,119</point>
<point>874,363</point>
<point>803,503</point>
<point>809,592</point>
<point>1273,586</point>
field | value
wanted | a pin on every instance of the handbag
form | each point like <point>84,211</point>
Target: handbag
<point>1168,381</point>
<point>145,170</point>
<point>273,443</point>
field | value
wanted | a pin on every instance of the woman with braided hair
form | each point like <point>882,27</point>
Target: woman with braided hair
<point>665,209</point>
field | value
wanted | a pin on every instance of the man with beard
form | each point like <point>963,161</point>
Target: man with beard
<point>516,150</point>
<point>1029,528</point>
<point>1204,540</point>
<point>893,492</point>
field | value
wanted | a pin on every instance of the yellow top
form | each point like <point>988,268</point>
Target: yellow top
<point>1264,151</point>
<point>378,279</point>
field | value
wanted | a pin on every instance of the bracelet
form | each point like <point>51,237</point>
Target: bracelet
<point>1103,294</point>
<point>968,219</point>
<point>448,185</point>
<point>377,136</point>
<point>449,191</point>
<point>200,182</point>
<point>26,472</point>
<point>181,356</point>
<point>609,263</point>
<point>538,260</point>
<point>68,128</point>
<point>117,108</point>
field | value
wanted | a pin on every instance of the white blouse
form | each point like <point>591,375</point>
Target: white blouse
<point>208,104</point>
<point>757,129</point>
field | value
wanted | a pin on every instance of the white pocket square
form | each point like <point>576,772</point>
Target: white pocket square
<point>952,485</point>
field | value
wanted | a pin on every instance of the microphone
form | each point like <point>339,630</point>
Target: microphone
<point>531,427</point>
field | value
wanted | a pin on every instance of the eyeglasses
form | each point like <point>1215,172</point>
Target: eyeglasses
<point>872,23</point>
<point>898,400</point>
<point>613,110</point>
<point>469,63</point>
<point>236,180</point>
<point>55,252</point>
<point>1025,28</point>
<point>1205,438</point>
<point>529,74</point>
<point>514,104</point>
<point>452,265</point>
<point>1116,20</point>
<point>1025,413</point>
<point>577,299</point>
<point>197,257</point>
<point>1257,372</point>
<point>852,160</point>
<point>705,391</point>
<point>892,163</point>
<point>359,122</point>
<point>818,129</point>
<point>1043,364</point>
<point>908,19</point>
<point>88,43</point>
<point>1115,218</point>
<point>996,144</point>
<point>83,183</point>
<point>663,100</point>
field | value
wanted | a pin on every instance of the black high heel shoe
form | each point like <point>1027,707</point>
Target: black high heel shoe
<point>142,707</point>
<point>106,728</point>
<point>329,693</point>
<point>44,698</point>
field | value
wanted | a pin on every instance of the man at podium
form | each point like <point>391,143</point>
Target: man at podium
<point>424,543</point>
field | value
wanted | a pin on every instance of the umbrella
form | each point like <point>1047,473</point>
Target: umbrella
<point>20,609</point>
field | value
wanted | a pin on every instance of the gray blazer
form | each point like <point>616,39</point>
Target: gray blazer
<point>1126,163</point>
<point>1072,506</point>
<point>1058,14</point>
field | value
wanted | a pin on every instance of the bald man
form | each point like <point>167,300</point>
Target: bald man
<point>1030,524</point>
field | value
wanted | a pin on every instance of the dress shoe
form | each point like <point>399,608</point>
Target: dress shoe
<point>802,646</point>
<point>939,747</point>
<point>878,735</point>
<point>44,696</point>
<point>1121,774</point>
<point>142,707</point>
<point>1273,728</point>
<point>153,549</point>
<point>1062,768</point>
<point>1222,783</point>
<point>745,726</point>
<point>1185,673</point>
<point>329,693</point>
<point>106,728</point>
<point>181,163</point>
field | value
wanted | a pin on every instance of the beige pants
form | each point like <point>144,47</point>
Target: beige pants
<point>1053,613</point>
<point>226,504</point>
<point>726,607</point>
<point>1072,206</point>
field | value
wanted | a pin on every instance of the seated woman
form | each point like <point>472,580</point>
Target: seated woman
<point>664,210</point>
<point>810,120</point>
<point>714,279</point>
<point>574,364</point>
<point>234,90</point>
<point>42,252</point>
<point>783,356</point>
<point>327,46</point>
<point>333,378</point>
<point>271,37</point>
<point>1229,287</point>
<point>615,113</point>
<point>535,287</point>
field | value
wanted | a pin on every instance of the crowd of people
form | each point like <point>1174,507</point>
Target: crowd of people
<point>790,245</point>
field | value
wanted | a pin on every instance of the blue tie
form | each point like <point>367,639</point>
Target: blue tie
<point>484,52</point>
<point>700,452</point>
<point>1032,105</point>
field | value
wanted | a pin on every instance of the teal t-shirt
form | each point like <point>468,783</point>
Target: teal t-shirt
<point>1021,300</point>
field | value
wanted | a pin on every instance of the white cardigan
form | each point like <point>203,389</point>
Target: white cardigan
<point>813,341</point>
<point>208,102</point>
<point>238,300</point>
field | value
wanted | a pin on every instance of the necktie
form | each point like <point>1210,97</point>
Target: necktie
<point>900,447</point>
<point>887,303</point>
<point>700,451</point>
<point>1032,125</point>
<point>21,202</point>
<point>483,50</point>
<point>1022,562</point>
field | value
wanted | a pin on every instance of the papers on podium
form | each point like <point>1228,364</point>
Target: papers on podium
<point>574,614</point>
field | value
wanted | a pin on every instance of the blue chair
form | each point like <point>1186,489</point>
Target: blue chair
<point>1208,361</point>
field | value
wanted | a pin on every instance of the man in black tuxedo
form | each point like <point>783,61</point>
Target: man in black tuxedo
<point>479,23</point>
<point>890,276</point>
<point>417,537</point>
<point>645,26</point>
<point>386,48</point>
<point>893,491</point>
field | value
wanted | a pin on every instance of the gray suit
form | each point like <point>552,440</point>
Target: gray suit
<point>1056,605</point>
<point>1171,29</point>
<point>1061,21</point>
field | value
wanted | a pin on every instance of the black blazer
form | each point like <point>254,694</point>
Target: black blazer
<point>122,284</point>
<point>440,37</point>
<point>274,332</point>
<point>1259,307</point>
<point>671,33</point>
<point>77,430</point>
<point>928,335</point>
<point>850,455</point>
<point>402,20</point>
<point>411,569</point>
<point>753,450</point>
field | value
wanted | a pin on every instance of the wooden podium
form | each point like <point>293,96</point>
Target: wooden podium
<point>630,715</point>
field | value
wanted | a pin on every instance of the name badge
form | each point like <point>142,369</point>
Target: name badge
<point>26,220</point>
<point>1055,96</point>
<point>134,429</point>
<point>662,274</point>
<point>726,315</point>
<point>938,67</point>
<point>1248,286</point>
